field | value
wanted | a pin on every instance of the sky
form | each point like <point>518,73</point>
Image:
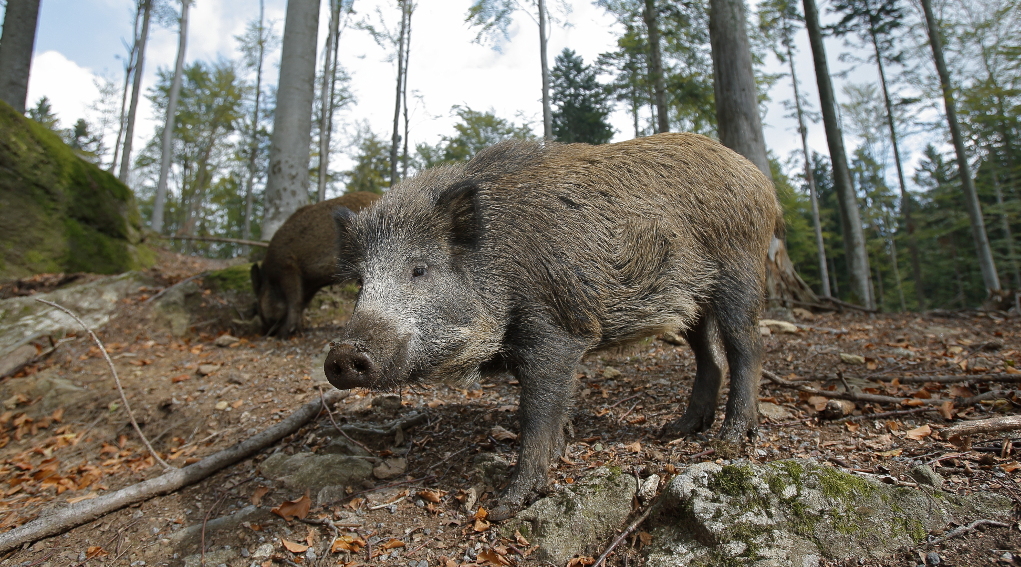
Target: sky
<point>79,41</point>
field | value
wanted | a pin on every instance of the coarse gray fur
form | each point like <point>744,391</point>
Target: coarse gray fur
<point>301,260</point>
<point>533,254</point>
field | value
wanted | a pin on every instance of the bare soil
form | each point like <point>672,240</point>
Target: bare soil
<point>85,446</point>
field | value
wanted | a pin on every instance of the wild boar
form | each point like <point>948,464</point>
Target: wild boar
<point>533,254</point>
<point>301,260</point>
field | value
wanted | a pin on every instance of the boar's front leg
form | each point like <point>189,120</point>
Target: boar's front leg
<point>544,366</point>
<point>291,285</point>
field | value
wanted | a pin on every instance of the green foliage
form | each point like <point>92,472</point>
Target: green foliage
<point>579,100</point>
<point>474,132</point>
<point>797,214</point>
<point>371,171</point>
<point>42,113</point>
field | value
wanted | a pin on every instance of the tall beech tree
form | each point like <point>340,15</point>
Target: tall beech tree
<point>21,18</point>
<point>168,124</point>
<point>137,70</point>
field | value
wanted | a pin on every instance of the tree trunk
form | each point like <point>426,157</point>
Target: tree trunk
<point>824,274</point>
<point>651,16</point>
<point>129,67</point>
<point>168,126</point>
<point>287,182</point>
<point>253,147</point>
<point>547,112</point>
<point>1007,234</point>
<point>20,22</point>
<point>737,112</point>
<point>850,219</point>
<point>326,95</point>
<point>905,200</point>
<point>404,96</point>
<point>136,91</point>
<point>978,227</point>
<point>395,140</point>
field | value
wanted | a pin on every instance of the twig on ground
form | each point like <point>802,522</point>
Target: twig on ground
<point>166,289</point>
<point>877,399</point>
<point>634,525</point>
<point>116,379</point>
<point>329,412</point>
<point>1006,378</point>
<point>406,422</point>
<point>87,510</point>
<point>885,414</point>
<point>992,425</point>
<point>970,527</point>
<point>445,459</point>
<point>618,402</point>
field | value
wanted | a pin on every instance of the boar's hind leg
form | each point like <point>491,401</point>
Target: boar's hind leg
<point>294,296</point>
<point>710,366</point>
<point>737,314</point>
<point>545,369</point>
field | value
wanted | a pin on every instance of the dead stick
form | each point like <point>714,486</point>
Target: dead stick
<point>965,529</point>
<point>877,399</point>
<point>342,432</point>
<point>116,379</point>
<point>1004,423</point>
<point>950,378</point>
<point>885,414</point>
<point>85,511</point>
<point>219,239</point>
<point>634,525</point>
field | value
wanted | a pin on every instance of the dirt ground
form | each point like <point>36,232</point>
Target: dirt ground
<point>52,454</point>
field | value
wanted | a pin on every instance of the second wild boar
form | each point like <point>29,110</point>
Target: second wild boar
<point>301,260</point>
<point>533,254</point>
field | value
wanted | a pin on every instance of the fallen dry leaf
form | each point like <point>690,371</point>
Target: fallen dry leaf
<point>180,378</point>
<point>891,453</point>
<point>294,547</point>
<point>520,539</point>
<point>393,544</point>
<point>646,537</point>
<point>490,557</point>
<point>480,514</point>
<point>95,551</point>
<point>919,433</point>
<point>258,494</point>
<point>501,434</point>
<point>433,496</point>
<point>480,526</point>
<point>294,509</point>
<point>578,561</point>
<point>347,542</point>
<point>635,447</point>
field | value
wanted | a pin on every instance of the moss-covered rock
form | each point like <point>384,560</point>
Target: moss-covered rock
<point>796,512</point>
<point>215,301</point>
<point>59,213</point>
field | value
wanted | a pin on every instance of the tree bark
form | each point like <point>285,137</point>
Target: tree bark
<point>136,91</point>
<point>168,127</point>
<point>395,140</point>
<point>978,227</point>
<point>824,274</point>
<point>287,182</point>
<point>850,219</point>
<point>404,96</point>
<point>547,112</point>
<point>21,19</point>
<point>253,147</point>
<point>129,67</point>
<point>651,16</point>
<point>905,200</point>
<point>326,95</point>
<point>1007,233</point>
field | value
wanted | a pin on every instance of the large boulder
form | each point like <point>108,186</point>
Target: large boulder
<point>796,512</point>
<point>59,213</point>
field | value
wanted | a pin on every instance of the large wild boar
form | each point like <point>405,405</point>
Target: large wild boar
<point>533,254</point>
<point>301,260</point>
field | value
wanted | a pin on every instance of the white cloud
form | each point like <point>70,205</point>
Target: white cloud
<point>69,87</point>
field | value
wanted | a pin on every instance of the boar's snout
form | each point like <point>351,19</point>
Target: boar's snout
<point>347,367</point>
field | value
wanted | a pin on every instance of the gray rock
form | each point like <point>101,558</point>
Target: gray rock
<point>218,557</point>
<point>923,474</point>
<point>579,517</point>
<point>191,534</point>
<point>343,446</point>
<point>390,468</point>
<point>173,307</point>
<point>492,467</point>
<point>54,390</point>
<point>309,471</point>
<point>387,403</point>
<point>207,369</point>
<point>264,550</point>
<point>224,341</point>
<point>774,412</point>
<point>16,359</point>
<point>778,326</point>
<point>795,512</point>
<point>648,489</point>
<point>611,373</point>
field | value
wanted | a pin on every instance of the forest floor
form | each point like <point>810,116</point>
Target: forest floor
<point>50,455</point>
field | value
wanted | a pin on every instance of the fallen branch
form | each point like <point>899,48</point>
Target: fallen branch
<point>166,289</point>
<point>85,511</point>
<point>992,425</point>
<point>886,414</point>
<point>634,525</point>
<point>339,428</point>
<point>116,379</point>
<point>950,378</point>
<point>391,428</point>
<point>970,527</point>
<point>878,399</point>
<point>258,243</point>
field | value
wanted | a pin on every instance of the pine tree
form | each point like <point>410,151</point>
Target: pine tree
<point>580,102</point>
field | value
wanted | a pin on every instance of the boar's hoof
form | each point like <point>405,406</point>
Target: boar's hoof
<point>688,425</point>
<point>346,367</point>
<point>738,433</point>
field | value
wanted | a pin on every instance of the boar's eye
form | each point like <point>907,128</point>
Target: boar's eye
<point>418,271</point>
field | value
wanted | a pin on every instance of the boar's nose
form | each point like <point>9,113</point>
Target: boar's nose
<point>346,367</point>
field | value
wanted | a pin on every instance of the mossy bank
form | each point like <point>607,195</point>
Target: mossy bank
<point>59,213</point>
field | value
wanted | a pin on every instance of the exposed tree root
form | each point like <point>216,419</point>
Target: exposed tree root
<point>955,433</point>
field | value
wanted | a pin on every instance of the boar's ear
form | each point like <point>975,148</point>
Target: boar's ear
<point>256,278</point>
<point>460,203</point>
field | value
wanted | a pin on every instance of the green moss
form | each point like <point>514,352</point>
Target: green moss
<point>59,212</point>
<point>732,480</point>
<point>234,278</point>
<point>840,486</point>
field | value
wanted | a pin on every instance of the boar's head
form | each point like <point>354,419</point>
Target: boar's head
<point>420,313</point>
<point>270,303</point>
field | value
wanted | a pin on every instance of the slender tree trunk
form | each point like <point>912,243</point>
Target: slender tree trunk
<point>21,19</point>
<point>136,91</point>
<point>547,112</point>
<point>395,140</point>
<point>978,227</point>
<point>253,147</point>
<point>896,273</point>
<point>404,96</point>
<point>1007,235</point>
<point>326,95</point>
<point>287,182</point>
<point>651,16</point>
<point>824,275</point>
<point>833,274</point>
<point>168,127</point>
<point>850,220</point>
<point>128,71</point>
<point>905,199</point>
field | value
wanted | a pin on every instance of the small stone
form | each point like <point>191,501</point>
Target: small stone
<point>221,405</point>
<point>932,558</point>
<point>611,373</point>
<point>673,338</point>
<point>387,403</point>
<point>802,313</point>
<point>774,412</point>
<point>902,352</point>
<point>852,358</point>
<point>1007,557</point>
<point>647,491</point>
<point>778,326</point>
<point>390,468</point>
<point>264,550</point>
<point>207,369</point>
<point>310,554</point>
<point>225,341</point>
<point>765,332</point>
<point>923,474</point>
